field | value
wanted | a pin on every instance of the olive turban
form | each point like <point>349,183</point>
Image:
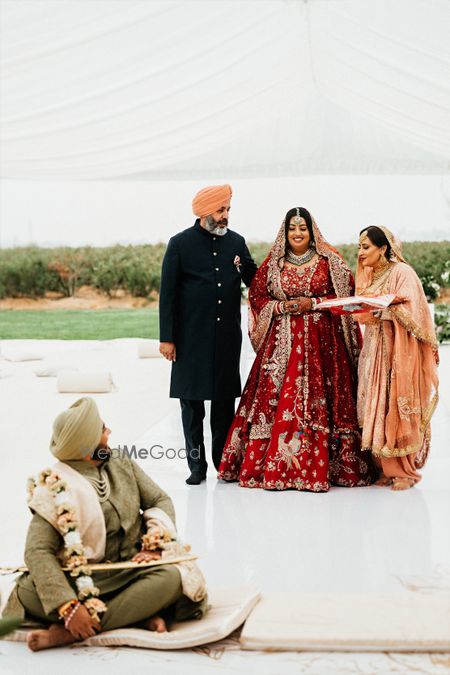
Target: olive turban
<point>77,431</point>
<point>210,199</point>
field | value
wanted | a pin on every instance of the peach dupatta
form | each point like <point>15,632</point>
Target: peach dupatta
<point>398,381</point>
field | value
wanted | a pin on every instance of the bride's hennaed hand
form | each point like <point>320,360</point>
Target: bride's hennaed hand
<point>297,305</point>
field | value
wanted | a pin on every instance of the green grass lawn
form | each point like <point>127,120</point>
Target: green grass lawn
<point>90,324</point>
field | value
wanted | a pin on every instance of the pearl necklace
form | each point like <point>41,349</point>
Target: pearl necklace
<point>102,486</point>
<point>298,260</point>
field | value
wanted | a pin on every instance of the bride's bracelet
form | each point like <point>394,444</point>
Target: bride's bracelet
<point>315,302</point>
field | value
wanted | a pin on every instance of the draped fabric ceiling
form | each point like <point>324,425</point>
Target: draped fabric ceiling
<point>148,89</point>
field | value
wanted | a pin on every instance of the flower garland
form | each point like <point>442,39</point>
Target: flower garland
<point>73,555</point>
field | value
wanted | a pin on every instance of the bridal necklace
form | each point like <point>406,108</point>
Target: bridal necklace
<point>101,486</point>
<point>300,259</point>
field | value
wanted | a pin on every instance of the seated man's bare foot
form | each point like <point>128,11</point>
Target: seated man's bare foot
<point>155,623</point>
<point>55,636</point>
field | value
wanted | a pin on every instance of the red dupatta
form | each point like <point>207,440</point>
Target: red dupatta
<point>266,290</point>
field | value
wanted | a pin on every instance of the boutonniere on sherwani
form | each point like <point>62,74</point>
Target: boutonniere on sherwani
<point>237,263</point>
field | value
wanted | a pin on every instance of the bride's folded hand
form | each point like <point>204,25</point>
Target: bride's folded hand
<point>298,305</point>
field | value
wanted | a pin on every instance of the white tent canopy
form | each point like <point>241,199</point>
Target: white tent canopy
<point>142,89</point>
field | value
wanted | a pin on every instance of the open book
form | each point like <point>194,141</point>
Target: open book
<point>356,304</point>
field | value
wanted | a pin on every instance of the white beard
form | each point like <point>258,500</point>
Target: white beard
<point>211,226</point>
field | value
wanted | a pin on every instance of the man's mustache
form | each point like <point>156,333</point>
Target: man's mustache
<point>224,221</point>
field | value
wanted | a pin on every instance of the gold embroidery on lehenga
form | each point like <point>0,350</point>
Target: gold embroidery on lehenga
<point>262,429</point>
<point>287,452</point>
<point>305,387</point>
<point>278,363</point>
<point>262,326</point>
<point>236,445</point>
<point>340,277</point>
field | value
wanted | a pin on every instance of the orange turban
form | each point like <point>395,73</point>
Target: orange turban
<point>210,199</point>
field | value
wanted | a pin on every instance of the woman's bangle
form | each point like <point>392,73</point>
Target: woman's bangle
<point>71,614</point>
<point>313,303</point>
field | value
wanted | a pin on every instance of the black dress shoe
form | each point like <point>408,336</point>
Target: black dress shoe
<point>195,478</point>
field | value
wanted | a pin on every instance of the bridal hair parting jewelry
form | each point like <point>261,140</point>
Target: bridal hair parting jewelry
<point>297,219</point>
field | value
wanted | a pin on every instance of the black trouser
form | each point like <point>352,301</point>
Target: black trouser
<point>192,416</point>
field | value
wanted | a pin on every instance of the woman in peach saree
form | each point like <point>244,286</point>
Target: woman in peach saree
<point>398,381</point>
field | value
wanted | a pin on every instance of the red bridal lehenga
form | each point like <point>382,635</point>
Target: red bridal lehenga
<point>296,424</point>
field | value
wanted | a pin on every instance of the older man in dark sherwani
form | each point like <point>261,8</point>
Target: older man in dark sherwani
<point>200,322</point>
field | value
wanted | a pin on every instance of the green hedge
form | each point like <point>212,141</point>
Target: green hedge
<point>32,272</point>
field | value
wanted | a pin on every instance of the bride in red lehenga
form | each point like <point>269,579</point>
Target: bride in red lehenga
<point>296,424</point>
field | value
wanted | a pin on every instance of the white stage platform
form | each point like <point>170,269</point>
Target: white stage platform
<point>365,540</point>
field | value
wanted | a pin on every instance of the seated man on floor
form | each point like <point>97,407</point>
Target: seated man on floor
<point>93,507</point>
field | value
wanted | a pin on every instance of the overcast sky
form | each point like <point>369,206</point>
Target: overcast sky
<point>103,213</point>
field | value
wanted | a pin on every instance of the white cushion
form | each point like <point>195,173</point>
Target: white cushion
<point>84,383</point>
<point>21,354</point>
<point>338,622</point>
<point>51,369</point>
<point>149,349</point>
<point>229,609</point>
